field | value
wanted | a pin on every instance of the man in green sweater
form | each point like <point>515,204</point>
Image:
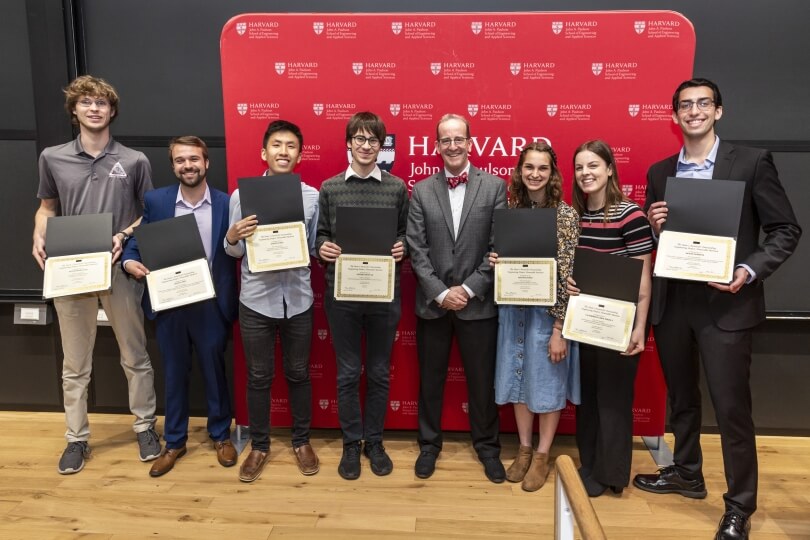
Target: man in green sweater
<point>363,184</point>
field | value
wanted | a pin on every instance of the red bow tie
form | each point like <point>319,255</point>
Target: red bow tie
<point>454,181</point>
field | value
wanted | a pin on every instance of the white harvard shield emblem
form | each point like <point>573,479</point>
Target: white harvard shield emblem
<point>357,67</point>
<point>514,68</point>
<point>551,109</point>
<point>640,26</point>
<point>280,67</point>
<point>317,108</point>
<point>472,109</point>
<point>476,27</point>
<point>242,108</point>
<point>240,28</point>
<point>317,27</point>
<point>394,108</point>
<point>596,68</point>
<point>396,27</point>
<point>556,26</point>
<point>633,109</point>
<point>435,67</point>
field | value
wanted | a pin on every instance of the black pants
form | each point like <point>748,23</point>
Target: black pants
<point>605,416</point>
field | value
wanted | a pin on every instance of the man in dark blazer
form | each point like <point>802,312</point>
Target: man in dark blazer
<point>449,236</point>
<point>202,325</point>
<point>714,321</point>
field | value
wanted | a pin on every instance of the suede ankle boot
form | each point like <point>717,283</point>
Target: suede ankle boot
<point>517,470</point>
<point>536,476</point>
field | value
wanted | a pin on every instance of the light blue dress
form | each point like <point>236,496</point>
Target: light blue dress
<point>523,372</point>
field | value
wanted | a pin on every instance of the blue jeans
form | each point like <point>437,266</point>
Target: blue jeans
<point>348,322</point>
<point>259,341</point>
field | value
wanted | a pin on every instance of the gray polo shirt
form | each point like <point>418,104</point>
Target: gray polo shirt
<point>114,181</point>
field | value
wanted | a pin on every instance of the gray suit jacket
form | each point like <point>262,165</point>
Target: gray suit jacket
<point>439,260</point>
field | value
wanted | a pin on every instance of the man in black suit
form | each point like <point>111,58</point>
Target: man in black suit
<point>449,236</point>
<point>714,321</point>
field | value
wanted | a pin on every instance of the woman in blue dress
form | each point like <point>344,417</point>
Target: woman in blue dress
<point>537,370</point>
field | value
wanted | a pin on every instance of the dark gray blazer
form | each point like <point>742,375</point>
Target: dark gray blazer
<point>440,261</point>
<point>765,209</point>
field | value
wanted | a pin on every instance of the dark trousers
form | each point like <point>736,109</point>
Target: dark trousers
<point>349,323</point>
<point>259,340</point>
<point>685,334</point>
<point>202,327</point>
<point>477,343</point>
<point>605,415</point>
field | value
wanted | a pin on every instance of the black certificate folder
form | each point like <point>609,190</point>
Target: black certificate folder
<point>77,235</point>
<point>169,242</point>
<point>608,276</point>
<point>365,231</point>
<point>272,199</point>
<point>698,206</point>
<point>526,232</point>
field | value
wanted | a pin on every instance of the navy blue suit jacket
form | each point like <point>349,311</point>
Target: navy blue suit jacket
<point>158,205</point>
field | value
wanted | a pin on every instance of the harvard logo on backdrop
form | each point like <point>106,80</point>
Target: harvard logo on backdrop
<point>597,67</point>
<point>495,29</point>
<point>258,29</point>
<point>621,154</point>
<point>651,112</point>
<point>334,111</point>
<point>242,108</point>
<point>537,71</point>
<point>454,70</point>
<point>396,27</point>
<point>414,29</point>
<point>616,71</point>
<point>335,29</point>
<point>570,112</point>
<point>259,110</point>
<point>472,109</point>
<point>586,29</point>
<point>394,108</point>
<point>658,28</point>
<point>500,112</point>
<point>413,111</point>
<point>297,70</point>
<point>633,109</point>
<point>376,71</point>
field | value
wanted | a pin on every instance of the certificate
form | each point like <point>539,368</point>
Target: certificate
<point>180,285</point>
<point>526,281</point>
<point>695,257</point>
<point>77,274</point>
<point>365,278</point>
<point>599,321</point>
<point>277,247</point>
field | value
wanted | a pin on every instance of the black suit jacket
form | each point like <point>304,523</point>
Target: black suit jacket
<point>765,207</point>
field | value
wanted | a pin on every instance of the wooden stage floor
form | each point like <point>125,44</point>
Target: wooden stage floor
<point>114,497</point>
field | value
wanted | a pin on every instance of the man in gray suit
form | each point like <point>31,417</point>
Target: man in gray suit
<point>449,236</point>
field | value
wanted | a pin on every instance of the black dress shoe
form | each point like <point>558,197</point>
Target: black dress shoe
<point>425,464</point>
<point>668,480</point>
<point>494,470</point>
<point>733,526</point>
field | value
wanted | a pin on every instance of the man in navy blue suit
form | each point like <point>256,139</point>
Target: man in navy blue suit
<point>202,325</point>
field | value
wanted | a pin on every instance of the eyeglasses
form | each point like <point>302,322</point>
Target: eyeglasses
<point>458,141</point>
<point>704,104</point>
<point>100,103</point>
<point>373,142</point>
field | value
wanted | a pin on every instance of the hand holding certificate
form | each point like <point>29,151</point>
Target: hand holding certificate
<point>699,240</point>
<point>280,240</point>
<point>526,273</point>
<point>173,252</point>
<point>604,311</point>
<point>365,271</point>
<point>79,258</point>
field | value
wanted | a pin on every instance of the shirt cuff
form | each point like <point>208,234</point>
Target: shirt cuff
<point>469,291</point>
<point>751,274</point>
<point>439,299</point>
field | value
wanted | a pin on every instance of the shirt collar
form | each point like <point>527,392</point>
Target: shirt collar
<point>206,199</point>
<point>448,174</point>
<point>376,174</point>
<point>710,159</point>
<point>111,148</point>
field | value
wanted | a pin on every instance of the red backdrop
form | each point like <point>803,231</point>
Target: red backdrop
<point>563,77</point>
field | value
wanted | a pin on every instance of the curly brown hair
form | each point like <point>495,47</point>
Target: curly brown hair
<point>87,85</point>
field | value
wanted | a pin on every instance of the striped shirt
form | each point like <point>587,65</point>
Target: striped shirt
<point>626,232</point>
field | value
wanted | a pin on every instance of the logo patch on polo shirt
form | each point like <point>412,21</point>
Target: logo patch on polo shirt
<point>118,171</point>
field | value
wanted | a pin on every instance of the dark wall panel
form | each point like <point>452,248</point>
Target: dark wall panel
<point>17,91</point>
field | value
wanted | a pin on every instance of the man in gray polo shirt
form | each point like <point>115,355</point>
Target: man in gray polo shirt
<point>93,174</point>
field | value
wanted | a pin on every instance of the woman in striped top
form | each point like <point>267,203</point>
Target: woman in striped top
<point>613,224</point>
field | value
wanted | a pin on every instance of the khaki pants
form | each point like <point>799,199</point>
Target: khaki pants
<point>77,324</point>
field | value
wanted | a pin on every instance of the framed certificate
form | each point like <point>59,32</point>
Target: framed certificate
<point>79,259</point>
<point>365,278</point>
<point>526,281</point>
<point>180,285</point>
<point>599,321</point>
<point>77,274</point>
<point>695,257</point>
<point>277,247</point>
<point>698,242</point>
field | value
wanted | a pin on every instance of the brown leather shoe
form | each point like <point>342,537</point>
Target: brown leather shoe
<point>226,453</point>
<point>253,465</point>
<point>165,462</point>
<point>307,460</point>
